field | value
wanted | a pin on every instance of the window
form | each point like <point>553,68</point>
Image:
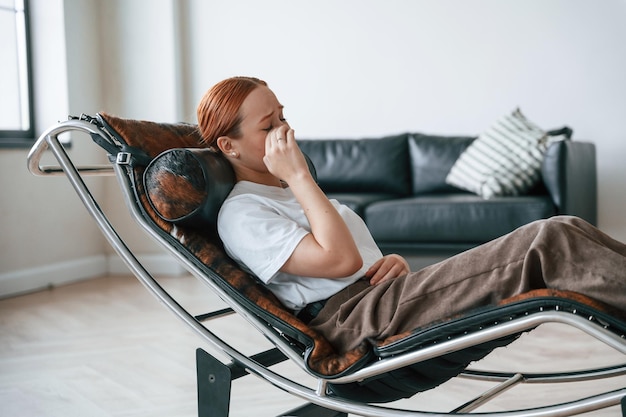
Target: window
<point>16,105</point>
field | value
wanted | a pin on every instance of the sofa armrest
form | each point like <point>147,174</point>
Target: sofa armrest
<point>569,173</point>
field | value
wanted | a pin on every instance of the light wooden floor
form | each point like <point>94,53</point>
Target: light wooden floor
<point>106,347</point>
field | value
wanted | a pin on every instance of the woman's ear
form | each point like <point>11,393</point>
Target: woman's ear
<point>224,143</point>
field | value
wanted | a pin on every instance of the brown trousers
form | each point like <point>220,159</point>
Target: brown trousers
<point>564,253</point>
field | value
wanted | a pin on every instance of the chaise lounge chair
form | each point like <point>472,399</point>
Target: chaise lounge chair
<point>173,187</point>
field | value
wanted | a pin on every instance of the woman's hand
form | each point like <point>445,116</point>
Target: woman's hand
<point>283,158</point>
<point>386,268</point>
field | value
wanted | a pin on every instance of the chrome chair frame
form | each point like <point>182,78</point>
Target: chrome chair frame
<point>49,142</point>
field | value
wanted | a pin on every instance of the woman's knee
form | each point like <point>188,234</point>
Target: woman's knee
<point>575,221</point>
<point>555,224</point>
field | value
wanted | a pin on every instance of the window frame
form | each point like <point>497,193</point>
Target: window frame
<point>25,137</point>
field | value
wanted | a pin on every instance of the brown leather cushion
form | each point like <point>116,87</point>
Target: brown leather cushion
<point>188,186</point>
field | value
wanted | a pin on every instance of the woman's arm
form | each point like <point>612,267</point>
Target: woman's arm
<point>329,251</point>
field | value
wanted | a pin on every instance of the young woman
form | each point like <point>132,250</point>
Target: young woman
<point>320,260</point>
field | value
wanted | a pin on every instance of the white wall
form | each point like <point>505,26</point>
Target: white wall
<point>342,69</point>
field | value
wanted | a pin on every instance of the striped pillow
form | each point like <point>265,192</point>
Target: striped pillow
<point>504,160</point>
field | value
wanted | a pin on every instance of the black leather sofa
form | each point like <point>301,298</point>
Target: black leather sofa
<point>397,185</point>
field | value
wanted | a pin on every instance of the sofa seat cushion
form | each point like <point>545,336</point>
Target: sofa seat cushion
<point>358,201</point>
<point>460,217</point>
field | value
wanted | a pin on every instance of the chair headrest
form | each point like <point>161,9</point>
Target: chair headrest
<point>187,186</point>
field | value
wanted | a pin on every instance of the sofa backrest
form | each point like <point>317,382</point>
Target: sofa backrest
<point>361,165</point>
<point>405,164</point>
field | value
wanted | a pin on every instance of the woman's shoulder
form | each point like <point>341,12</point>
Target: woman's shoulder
<point>248,196</point>
<point>252,190</point>
<point>246,191</point>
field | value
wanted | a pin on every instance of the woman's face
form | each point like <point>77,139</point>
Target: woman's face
<point>260,113</point>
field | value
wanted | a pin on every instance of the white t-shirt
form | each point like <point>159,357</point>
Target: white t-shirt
<point>261,226</point>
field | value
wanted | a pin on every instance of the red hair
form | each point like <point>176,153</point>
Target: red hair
<point>218,111</point>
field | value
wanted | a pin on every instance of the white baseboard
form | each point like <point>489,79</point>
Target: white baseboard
<point>155,264</point>
<point>38,278</point>
<point>32,279</point>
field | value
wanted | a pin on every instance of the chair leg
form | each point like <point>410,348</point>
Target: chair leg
<point>313,410</point>
<point>214,382</point>
<point>623,406</point>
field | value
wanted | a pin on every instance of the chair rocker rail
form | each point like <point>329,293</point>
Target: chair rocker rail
<point>548,378</point>
<point>49,138</point>
<point>49,141</point>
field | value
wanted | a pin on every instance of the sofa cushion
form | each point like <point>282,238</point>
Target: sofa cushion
<point>432,157</point>
<point>361,165</point>
<point>460,217</point>
<point>504,160</point>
